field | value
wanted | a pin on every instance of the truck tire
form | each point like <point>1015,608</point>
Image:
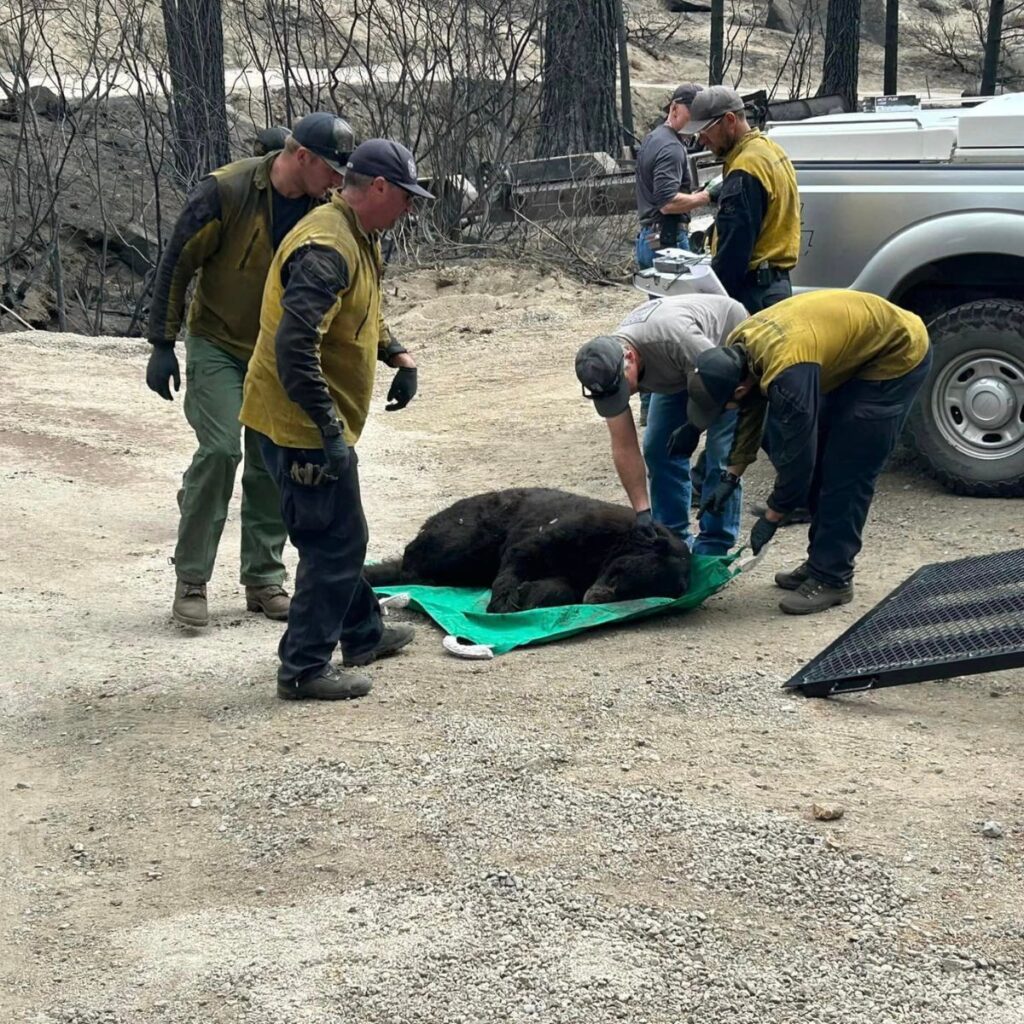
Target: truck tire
<point>968,422</point>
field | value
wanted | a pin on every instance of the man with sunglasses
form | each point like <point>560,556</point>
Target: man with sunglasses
<point>307,395</point>
<point>757,228</point>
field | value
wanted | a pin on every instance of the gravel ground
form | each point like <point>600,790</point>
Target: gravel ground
<point>618,827</point>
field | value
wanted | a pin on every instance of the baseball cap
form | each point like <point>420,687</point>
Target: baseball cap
<point>711,104</point>
<point>390,160</point>
<point>684,94</point>
<point>329,136</point>
<point>600,368</point>
<point>710,384</point>
<point>270,139</point>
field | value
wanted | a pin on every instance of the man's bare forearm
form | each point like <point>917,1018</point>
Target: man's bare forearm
<point>684,202</point>
<point>629,462</point>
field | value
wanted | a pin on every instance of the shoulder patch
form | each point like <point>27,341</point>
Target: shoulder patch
<point>641,314</point>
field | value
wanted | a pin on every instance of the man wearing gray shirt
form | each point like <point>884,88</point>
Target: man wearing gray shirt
<point>652,351</point>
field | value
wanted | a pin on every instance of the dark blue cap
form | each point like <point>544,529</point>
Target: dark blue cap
<point>390,160</point>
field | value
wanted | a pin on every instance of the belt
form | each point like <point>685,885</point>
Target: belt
<point>777,274</point>
<point>658,219</point>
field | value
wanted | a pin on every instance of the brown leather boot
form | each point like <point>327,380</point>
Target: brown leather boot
<point>271,599</point>
<point>189,606</point>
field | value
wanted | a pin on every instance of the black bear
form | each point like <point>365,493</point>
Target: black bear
<point>537,547</point>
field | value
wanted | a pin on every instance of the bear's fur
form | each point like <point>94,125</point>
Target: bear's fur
<point>537,547</point>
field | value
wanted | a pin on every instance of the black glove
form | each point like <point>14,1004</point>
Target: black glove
<point>402,389</point>
<point>644,526</point>
<point>721,494</point>
<point>161,368</point>
<point>763,531</point>
<point>682,442</point>
<point>337,453</point>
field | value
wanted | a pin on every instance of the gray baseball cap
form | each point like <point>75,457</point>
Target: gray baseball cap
<point>710,105</point>
<point>684,94</point>
<point>600,367</point>
<point>711,383</point>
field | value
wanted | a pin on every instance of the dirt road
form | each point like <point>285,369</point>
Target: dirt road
<point>616,827</point>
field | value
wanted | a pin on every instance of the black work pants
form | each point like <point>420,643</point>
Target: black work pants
<point>332,602</point>
<point>858,426</point>
<point>760,296</point>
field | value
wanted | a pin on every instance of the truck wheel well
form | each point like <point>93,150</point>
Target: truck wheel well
<point>945,284</point>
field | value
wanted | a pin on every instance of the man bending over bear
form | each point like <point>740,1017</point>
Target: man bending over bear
<point>652,351</point>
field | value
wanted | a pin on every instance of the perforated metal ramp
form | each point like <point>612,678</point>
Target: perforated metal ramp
<point>949,619</point>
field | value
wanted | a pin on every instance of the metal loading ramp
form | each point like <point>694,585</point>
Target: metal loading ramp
<point>949,619</point>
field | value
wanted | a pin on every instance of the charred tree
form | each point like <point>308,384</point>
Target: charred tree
<point>993,44</point>
<point>892,46</point>
<point>842,51</point>
<point>577,110</point>
<point>195,52</point>
<point>716,49</point>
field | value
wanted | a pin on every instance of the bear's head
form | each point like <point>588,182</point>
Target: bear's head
<point>643,568</point>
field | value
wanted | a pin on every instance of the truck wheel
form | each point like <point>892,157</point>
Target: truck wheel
<point>968,421</point>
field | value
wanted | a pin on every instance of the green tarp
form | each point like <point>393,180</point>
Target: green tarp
<point>462,612</point>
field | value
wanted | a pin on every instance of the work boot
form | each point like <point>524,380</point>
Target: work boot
<point>814,596</point>
<point>391,642</point>
<point>792,580</point>
<point>189,606</point>
<point>332,683</point>
<point>794,518</point>
<point>270,598</point>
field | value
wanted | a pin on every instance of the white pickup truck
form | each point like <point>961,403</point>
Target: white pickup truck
<point>926,208</point>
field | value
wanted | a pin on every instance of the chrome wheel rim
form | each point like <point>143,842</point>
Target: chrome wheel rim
<point>978,404</point>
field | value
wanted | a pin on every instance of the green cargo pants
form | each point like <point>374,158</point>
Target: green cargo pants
<point>213,400</point>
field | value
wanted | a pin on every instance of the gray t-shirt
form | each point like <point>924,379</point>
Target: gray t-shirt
<point>661,171</point>
<point>670,333</point>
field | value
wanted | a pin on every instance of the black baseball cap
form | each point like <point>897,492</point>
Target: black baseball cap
<point>600,367</point>
<point>685,94</point>
<point>717,373</point>
<point>709,106</point>
<point>329,136</point>
<point>390,160</point>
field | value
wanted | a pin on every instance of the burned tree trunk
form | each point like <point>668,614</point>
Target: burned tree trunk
<point>577,110</point>
<point>716,59</point>
<point>842,51</point>
<point>993,43</point>
<point>892,46</point>
<point>195,50</point>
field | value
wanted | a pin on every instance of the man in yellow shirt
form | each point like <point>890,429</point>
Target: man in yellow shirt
<point>757,227</point>
<point>829,376</point>
<point>307,395</point>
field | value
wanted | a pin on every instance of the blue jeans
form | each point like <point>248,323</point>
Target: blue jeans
<point>644,254</point>
<point>332,602</point>
<point>670,476</point>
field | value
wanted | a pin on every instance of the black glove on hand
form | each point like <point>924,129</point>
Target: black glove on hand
<point>338,456</point>
<point>721,494</point>
<point>402,389</point>
<point>161,369</point>
<point>644,527</point>
<point>763,531</point>
<point>682,442</point>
